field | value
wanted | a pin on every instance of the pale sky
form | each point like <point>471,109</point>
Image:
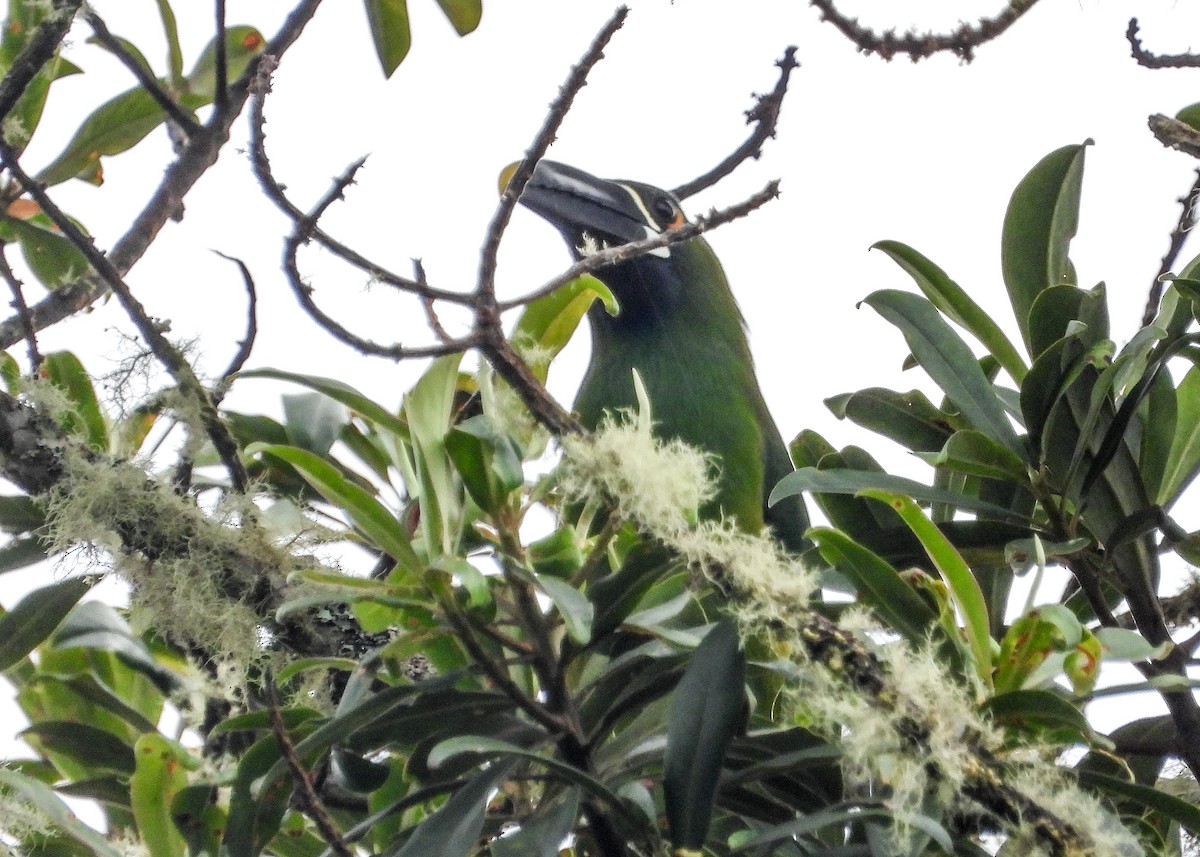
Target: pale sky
<point>926,154</point>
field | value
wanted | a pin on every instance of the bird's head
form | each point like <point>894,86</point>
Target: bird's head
<point>593,214</point>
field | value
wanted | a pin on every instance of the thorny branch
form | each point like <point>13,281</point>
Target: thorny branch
<point>962,42</point>
<point>764,115</point>
<point>22,308</point>
<point>1187,220</point>
<point>150,330</point>
<point>197,157</point>
<point>1150,60</point>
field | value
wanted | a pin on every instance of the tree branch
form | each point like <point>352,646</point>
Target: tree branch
<point>962,42</point>
<point>1187,220</point>
<point>764,115</point>
<point>1149,60</point>
<point>38,51</point>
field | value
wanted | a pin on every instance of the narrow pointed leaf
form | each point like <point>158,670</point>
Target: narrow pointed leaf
<point>576,611</point>
<point>1183,460</point>
<point>64,370</point>
<point>541,836</point>
<point>705,712</point>
<point>341,392</point>
<point>388,20</point>
<point>948,360</point>
<point>977,454</point>
<point>36,616</point>
<point>43,799</point>
<point>1185,813</point>
<point>954,302</point>
<point>158,777</point>
<point>908,418</point>
<point>547,325</point>
<point>1042,217</point>
<point>464,15</point>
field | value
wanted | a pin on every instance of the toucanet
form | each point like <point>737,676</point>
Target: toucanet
<point>680,328</point>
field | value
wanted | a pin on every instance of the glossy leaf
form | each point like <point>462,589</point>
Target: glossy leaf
<point>36,616</point>
<point>858,482</point>
<point>954,302</point>
<point>95,625</point>
<point>909,418</point>
<point>879,584</point>
<point>542,835</point>
<point>368,514</point>
<point>977,454</point>
<point>53,258</point>
<point>388,20</point>
<point>464,15</point>
<point>454,829</point>
<point>948,361</point>
<point>705,713</point>
<point>93,748</point>
<point>1183,460</point>
<point>158,777</point>
<point>1186,814</point>
<point>547,324</point>
<point>341,392</point>
<point>573,606</point>
<point>64,370</point>
<point>968,597</point>
<point>1044,712</point>
<point>49,805</point>
<point>1041,220</point>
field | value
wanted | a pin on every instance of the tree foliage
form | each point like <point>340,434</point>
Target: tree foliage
<point>624,679</point>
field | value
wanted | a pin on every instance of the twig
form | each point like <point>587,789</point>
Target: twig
<point>764,115</point>
<point>180,177</point>
<point>962,42</point>
<point>1175,134</point>
<point>38,51</point>
<point>151,332</point>
<point>1149,60</point>
<point>634,249</point>
<point>1187,220</point>
<point>246,344</point>
<point>312,802</point>
<point>485,288</point>
<point>427,304</point>
<point>275,192</point>
<point>18,303</point>
<point>300,235</point>
<point>178,116</point>
<point>221,95</point>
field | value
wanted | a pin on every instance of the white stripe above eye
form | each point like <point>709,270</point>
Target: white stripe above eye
<point>650,225</point>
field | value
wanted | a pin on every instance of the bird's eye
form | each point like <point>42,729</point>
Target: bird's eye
<point>665,210</point>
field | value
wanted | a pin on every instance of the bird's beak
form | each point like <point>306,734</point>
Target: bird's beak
<point>591,213</point>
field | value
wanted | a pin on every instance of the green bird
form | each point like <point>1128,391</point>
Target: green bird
<point>680,328</point>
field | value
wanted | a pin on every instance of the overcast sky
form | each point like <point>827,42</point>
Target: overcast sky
<point>926,154</point>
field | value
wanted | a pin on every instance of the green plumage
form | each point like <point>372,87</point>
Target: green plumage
<point>680,328</point>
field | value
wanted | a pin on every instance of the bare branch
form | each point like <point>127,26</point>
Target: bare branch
<point>1149,60</point>
<point>18,303</point>
<point>246,344</point>
<point>313,806</point>
<point>485,287</point>
<point>274,191</point>
<point>166,201</point>
<point>634,249</point>
<point>150,330</point>
<point>764,115</point>
<point>1187,220</point>
<point>38,51</point>
<point>221,95</point>
<point>962,42</point>
<point>304,228</point>
<point>147,81</point>
<point>1175,134</point>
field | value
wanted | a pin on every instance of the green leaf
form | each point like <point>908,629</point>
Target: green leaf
<point>388,20</point>
<point>1159,422</point>
<point>368,514</point>
<point>341,392</point>
<point>171,33</point>
<point>1183,460</point>
<point>859,481</point>
<point>576,611</point>
<point>948,361</point>
<point>879,584</point>
<point>1042,217</point>
<point>454,829</point>
<point>838,818</point>
<point>977,454</point>
<point>242,44</point>
<point>43,799</point>
<point>1186,814</point>
<point>547,325</point>
<point>52,258</point>
<point>313,421</point>
<point>464,15</point>
<point>487,460</point>
<point>36,616</point>
<point>962,583</point>
<point>96,625</point>
<point>64,371</point>
<point>94,748</point>
<point>428,407</point>
<point>541,835</point>
<point>706,710</point>
<point>953,301</point>
<point>909,418</point>
<point>158,777</point>
<point>1042,711</point>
